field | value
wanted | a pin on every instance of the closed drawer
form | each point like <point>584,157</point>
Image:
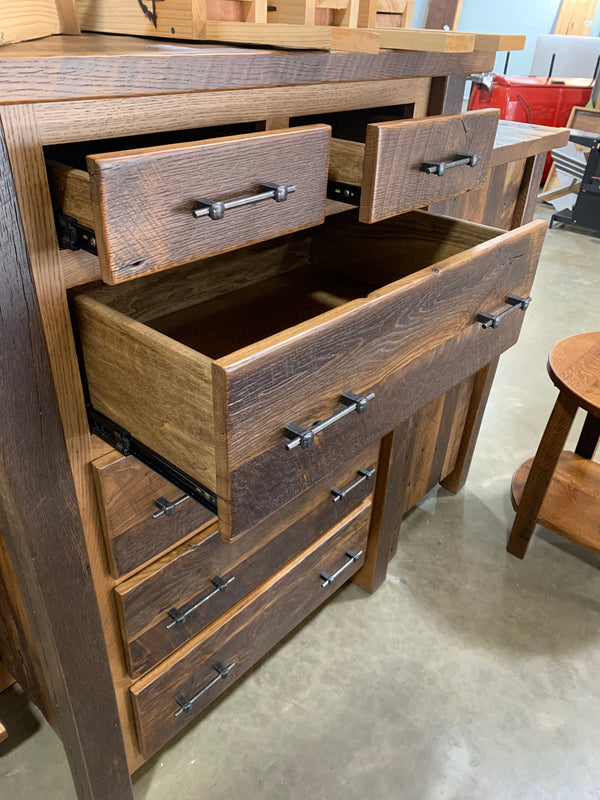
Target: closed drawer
<point>167,698</point>
<point>142,513</point>
<point>170,601</point>
<point>145,202</point>
<point>215,381</point>
<point>408,164</point>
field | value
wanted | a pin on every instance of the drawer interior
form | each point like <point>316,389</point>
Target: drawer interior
<point>156,351</point>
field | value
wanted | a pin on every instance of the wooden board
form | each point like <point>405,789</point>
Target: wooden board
<point>576,17</point>
<point>31,19</point>
<point>571,506</point>
<point>96,65</point>
<point>432,41</point>
<point>245,633</point>
<point>183,576</point>
<point>443,14</point>
<point>127,493</point>
<point>142,200</point>
<point>581,119</point>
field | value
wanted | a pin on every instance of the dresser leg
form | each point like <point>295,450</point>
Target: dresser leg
<point>41,526</point>
<point>484,379</point>
<point>388,503</point>
<point>540,475</point>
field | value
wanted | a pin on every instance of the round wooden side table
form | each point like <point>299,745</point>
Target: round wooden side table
<point>557,488</point>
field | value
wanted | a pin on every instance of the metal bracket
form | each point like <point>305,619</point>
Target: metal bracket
<point>344,192</point>
<point>306,436</point>
<point>126,444</point>
<point>73,236</point>
<point>440,167</point>
<point>493,320</point>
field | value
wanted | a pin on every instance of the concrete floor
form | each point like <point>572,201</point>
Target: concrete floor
<point>468,675</point>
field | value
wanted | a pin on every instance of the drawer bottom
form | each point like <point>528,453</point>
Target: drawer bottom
<point>169,697</point>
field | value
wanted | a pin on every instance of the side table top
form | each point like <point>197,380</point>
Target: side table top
<point>574,367</point>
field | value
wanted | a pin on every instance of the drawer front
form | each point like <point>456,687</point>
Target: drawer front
<point>409,164</point>
<point>164,701</point>
<point>410,342</point>
<point>167,604</point>
<point>144,201</point>
<point>142,513</point>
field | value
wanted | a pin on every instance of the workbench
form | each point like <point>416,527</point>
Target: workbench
<point>184,477</point>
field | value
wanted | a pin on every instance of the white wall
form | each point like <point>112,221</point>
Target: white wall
<point>529,17</point>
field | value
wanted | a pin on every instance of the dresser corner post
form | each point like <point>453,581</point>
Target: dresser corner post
<point>446,95</point>
<point>42,528</point>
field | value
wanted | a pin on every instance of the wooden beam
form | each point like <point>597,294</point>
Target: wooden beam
<point>40,521</point>
<point>443,14</point>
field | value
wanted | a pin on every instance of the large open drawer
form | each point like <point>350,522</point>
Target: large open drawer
<point>224,371</point>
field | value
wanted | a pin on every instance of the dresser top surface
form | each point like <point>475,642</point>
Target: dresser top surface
<point>103,65</point>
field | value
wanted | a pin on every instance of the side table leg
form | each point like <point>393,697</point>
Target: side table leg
<point>549,450</point>
<point>589,437</point>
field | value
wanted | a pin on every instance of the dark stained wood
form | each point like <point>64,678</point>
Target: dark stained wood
<point>589,437</point>
<point>142,200</point>
<point>443,14</point>
<point>64,67</point>
<point>574,367</point>
<point>447,93</point>
<point>571,505</point>
<point>18,648</point>
<point>183,576</point>
<point>540,474</point>
<point>390,174</point>
<point>42,529</point>
<point>484,379</point>
<point>529,188</point>
<point>6,679</point>
<point>127,493</point>
<point>246,632</point>
<point>386,516</point>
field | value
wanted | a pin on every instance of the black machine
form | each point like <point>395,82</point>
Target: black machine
<point>586,211</point>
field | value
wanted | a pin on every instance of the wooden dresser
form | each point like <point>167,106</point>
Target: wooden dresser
<point>236,349</point>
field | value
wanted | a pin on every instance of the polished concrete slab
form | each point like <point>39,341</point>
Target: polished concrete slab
<point>468,675</point>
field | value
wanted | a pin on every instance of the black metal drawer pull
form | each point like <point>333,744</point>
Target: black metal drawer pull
<point>167,507</point>
<point>306,436</point>
<point>439,167</point>
<point>186,705</point>
<point>493,320</point>
<point>329,579</point>
<point>215,209</point>
<point>178,617</point>
<point>365,474</point>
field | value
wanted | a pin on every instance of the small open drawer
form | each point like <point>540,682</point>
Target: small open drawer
<point>224,367</point>
<point>152,208</point>
<point>408,164</point>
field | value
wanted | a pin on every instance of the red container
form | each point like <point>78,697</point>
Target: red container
<point>541,101</point>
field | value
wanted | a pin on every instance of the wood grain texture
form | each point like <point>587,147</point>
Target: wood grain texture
<point>183,576</point>
<point>142,200</point>
<point>430,41</point>
<point>482,386</point>
<point>42,528</point>
<point>6,679</point>
<point>29,174</point>
<point>443,14</point>
<point>31,19</point>
<point>542,468</point>
<point>246,632</point>
<point>70,190</point>
<point>139,115</point>
<point>68,67</point>
<point>392,178</point>
<point>346,340</point>
<point>127,493</point>
<point>516,140</point>
<point>574,367</point>
<point>386,515</point>
<point>571,504</point>
<point>576,17</point>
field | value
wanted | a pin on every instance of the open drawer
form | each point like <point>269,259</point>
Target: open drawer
<point>407,164</point>
<point>155,207</point>
<point>223,367</point>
